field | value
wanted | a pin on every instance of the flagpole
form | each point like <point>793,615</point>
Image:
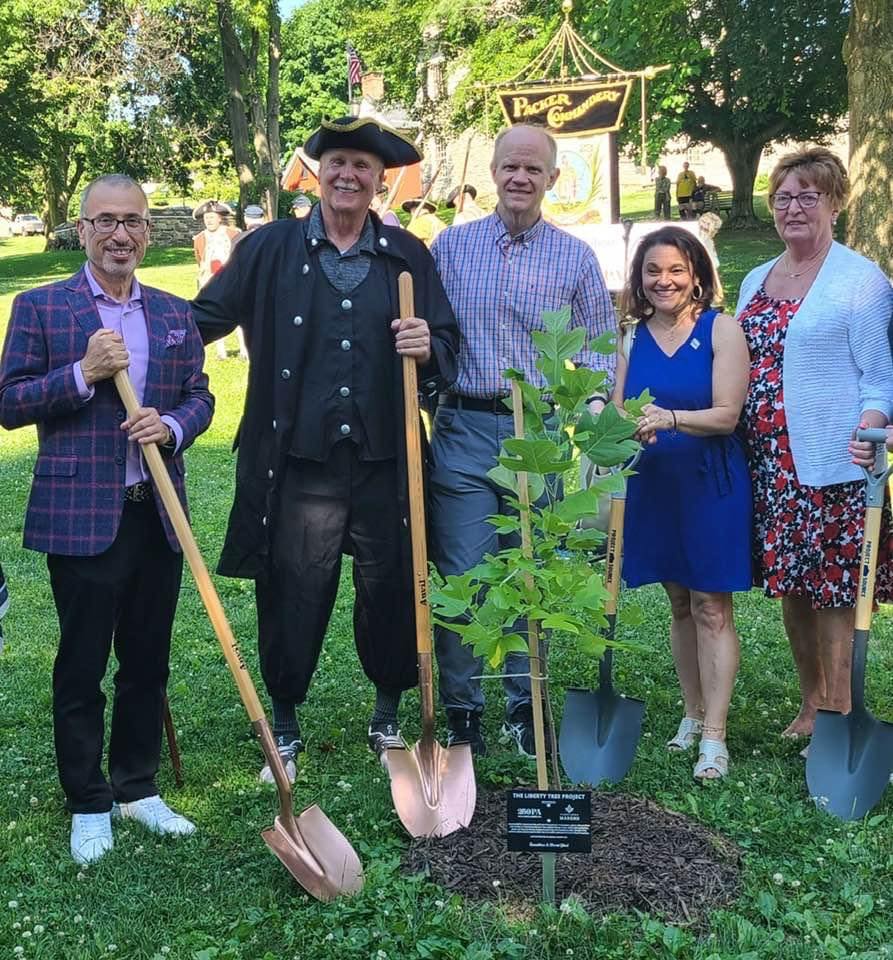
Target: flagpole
<point>349,86</point>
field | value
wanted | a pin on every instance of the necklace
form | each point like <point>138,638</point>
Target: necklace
<point>813,260</point>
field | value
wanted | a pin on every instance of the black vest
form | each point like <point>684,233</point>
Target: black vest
<point>347,383</point>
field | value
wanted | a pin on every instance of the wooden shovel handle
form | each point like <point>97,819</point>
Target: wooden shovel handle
<point>177,515</point>
<point>414,476</point>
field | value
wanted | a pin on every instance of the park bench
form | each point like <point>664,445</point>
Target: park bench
<point>718,201</point>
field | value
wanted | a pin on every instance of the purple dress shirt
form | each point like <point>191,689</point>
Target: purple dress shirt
<point>129,320</point>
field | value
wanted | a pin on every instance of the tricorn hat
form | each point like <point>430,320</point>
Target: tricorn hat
<point>453,195</point>
<point>362,133</point>
<point>427,205</point>
<point>212,206</point>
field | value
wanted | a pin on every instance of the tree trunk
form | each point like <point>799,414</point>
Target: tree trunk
<point>234,68</point>
<point>868,52</point>
<point>62,178</point>
<point>274,55</point>
<point>742,158</point>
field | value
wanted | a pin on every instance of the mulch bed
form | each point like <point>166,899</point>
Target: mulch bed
<point>643,857</point>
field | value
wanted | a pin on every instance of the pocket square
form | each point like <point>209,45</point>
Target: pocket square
<point>175,338</point>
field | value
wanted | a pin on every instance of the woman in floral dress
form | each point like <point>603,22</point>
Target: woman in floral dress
<point>816,321</point>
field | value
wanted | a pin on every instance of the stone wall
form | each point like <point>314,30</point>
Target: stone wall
<point>171,227</point>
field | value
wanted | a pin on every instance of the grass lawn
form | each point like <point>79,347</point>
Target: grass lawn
<point>812,887</point>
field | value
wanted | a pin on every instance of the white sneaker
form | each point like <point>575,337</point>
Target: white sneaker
<point>91,836</point>
<point>288,748</point>
<point>154,814</point>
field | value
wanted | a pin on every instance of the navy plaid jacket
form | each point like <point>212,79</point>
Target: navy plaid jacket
<point>77,494</point>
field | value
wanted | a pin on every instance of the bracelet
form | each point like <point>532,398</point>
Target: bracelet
<point>597,396</point>
<point>675,424</point>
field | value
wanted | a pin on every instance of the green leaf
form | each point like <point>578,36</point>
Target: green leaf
<point>606,343</point>
<point>561,621</point>
<point>554,349</point>
<point>633,405</point>
<point>509,643</point>
<point>607,438</point>
<point>503,477</point>
<point>505,524</point>
<point>593,595</point>
<point>578,385</point>
<point>533,456</point>
<point>631,615</point>
<point>767,904</point>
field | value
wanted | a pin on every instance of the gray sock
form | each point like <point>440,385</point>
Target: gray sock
<point>386,704</point>
<point>285,721</point>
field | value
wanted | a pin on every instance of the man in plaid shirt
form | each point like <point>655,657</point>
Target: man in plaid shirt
<point>500,273</point>
<point>113,558</point>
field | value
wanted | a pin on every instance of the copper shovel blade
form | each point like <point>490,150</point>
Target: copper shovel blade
<point>316,854</point>
<point>433,787</point>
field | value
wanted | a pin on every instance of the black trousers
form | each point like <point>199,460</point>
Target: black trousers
<point>126,595</point>
<point>343,505</point>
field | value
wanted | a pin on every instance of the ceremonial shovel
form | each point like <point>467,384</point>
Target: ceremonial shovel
<point>600,729</point>
<point>310,846</point>
<point>433,787</point>
<point>850,757</point>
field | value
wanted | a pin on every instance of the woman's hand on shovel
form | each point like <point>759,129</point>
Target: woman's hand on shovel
<point>413,339</point>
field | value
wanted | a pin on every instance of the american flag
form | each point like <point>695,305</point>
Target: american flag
<point>354,66</point>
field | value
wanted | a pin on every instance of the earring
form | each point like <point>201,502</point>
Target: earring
<point>697,292</point>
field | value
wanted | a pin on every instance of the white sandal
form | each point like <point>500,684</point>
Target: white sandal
<point>713,755</point>
<point>688,732</point>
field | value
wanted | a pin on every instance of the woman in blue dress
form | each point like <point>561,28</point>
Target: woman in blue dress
<point>688,514</point>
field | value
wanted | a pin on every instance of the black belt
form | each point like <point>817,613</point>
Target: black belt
<point>138,492</point>
<point>481,404</point>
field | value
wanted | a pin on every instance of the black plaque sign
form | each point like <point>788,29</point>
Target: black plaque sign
<point>569,110</point>
<point>549,821</point>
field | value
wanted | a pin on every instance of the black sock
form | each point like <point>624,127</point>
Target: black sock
<point>285,721</point>
<point>386,704</point>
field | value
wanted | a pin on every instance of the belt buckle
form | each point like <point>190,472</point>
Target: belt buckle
<point>137,493</point>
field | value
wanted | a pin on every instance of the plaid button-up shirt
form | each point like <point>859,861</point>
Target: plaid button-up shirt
<point>499,286</point>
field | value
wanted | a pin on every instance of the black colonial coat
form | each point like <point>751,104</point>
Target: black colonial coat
<point>266,288</point>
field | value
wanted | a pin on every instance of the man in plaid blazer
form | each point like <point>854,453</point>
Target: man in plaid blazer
<point>113,558</point>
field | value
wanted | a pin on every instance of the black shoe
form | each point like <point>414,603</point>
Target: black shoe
<point>384,735</point>
<point>518,730</point>
<point>464,726</point>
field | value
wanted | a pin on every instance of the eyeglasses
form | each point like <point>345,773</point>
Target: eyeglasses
<point>136,226</point>
<point>807,200</point>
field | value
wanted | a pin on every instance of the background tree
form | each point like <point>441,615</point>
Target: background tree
<point>869,58</point>
<point>250,37</point>
<point>314,68</point>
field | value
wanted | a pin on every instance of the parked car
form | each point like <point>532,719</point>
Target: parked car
<point>26,225</point>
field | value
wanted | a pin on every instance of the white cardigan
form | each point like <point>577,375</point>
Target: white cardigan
<point>837,361</point>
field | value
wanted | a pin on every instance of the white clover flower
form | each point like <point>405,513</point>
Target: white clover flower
<point>26,933</point>
<point>78,918</point>
<point>777,878</point>
<point>439,904</point>
<point>38,928</point>
<point>165,949</point>
<point>13,904</point>
<point>18,951</point>
<point>82,875</point>
<point>795,883</point>
<point>497,883</point>
<point>112,947</point>
<point>34,801</point>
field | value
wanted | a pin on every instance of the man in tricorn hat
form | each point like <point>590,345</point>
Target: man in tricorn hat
<point>322,457</point>
<point>212,248</point>
<point>470,209</point>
